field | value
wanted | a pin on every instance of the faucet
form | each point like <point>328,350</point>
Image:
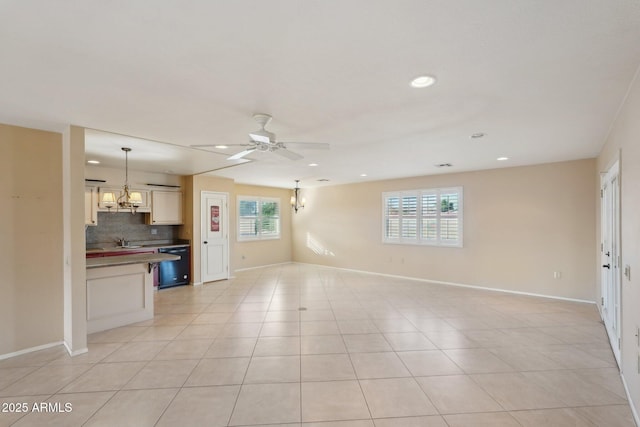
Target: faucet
<point>122,242</point>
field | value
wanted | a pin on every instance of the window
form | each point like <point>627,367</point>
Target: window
<point>423,217</point>
<point>258,218</point>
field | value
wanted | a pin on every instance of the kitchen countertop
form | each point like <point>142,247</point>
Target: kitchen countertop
<point>129,259</point>
<point>135,247</point>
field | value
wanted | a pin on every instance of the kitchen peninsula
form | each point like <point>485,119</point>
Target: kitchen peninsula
<point>120,289</point>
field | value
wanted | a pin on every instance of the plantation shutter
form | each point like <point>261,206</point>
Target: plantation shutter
<point>392,217</point>
<point>270,218</point>
<point>429,213</point>
<point>449,217</point>
<point>428,217</point>
<point>409,219</point>
<point>258,218</point>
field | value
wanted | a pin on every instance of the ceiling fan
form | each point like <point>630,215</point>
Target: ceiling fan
<point>265,141</point>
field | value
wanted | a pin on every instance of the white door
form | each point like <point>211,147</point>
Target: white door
<point>215,236</point>
<point>610,255</point>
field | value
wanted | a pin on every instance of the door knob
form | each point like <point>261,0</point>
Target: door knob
<point>205,242</point>
<point>607,266</point>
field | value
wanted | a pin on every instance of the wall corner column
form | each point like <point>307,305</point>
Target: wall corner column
<point>75,293</point>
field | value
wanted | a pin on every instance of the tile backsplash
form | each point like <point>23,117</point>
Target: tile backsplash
<point>112,226</point>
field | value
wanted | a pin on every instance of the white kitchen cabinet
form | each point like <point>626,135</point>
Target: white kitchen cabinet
<point>91,206</point>
<point>166,208</point>
<point>146,200</point>
<point>117,192</point>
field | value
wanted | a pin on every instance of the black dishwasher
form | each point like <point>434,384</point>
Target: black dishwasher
<point>174,273</point>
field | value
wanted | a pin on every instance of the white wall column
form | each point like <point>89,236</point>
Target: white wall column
<point>75,293</point>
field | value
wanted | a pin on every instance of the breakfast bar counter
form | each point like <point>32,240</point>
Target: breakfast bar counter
<point>117,260</point>
<point>120,289</point>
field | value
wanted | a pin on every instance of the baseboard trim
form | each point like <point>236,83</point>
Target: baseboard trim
<point>30,350</point>
<point>636,418</point>
<point>462,285</point>
<point>265,266</point>
<point>74,353</point>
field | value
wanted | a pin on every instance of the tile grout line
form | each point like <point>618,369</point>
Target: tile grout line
<point>235,404</point>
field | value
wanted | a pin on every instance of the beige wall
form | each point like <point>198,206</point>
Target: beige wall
<point>31,238</point>
<point>624,143</point>
<point>241,254</point>
<point>520,225</point>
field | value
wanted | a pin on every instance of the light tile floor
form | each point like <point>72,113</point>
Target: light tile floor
<point>302,345</point>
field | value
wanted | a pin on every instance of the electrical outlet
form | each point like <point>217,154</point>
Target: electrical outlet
<point>627,271</point>
<point>557,274</point>
<point>154,231</point>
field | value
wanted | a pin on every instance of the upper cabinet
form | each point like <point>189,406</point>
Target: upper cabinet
<point>166,208</point>
<point>91,206</point>
<point>117,192</point>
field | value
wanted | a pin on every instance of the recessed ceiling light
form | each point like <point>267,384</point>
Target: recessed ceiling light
<point>477,135</point>
<point>423,81</point>
<point>502,159</point>
<point>313,164</point>
<point>363,174</point>
<point>222,147</point>
<point>93,162</point>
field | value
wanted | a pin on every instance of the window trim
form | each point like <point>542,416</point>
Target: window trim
<point>260,201</point>
<point>419,240</point>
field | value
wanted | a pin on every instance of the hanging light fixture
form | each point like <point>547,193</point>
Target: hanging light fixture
<point>128,199</point>
<point>296,201</point>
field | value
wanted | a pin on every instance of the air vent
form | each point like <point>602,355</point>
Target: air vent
<point>323,180</point>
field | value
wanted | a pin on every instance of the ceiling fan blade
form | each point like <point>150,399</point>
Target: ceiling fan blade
<point>288,154</point>
<point>260,138</point>
<point>241,154</point>
<point>310,145</point>
<point>216,145</point>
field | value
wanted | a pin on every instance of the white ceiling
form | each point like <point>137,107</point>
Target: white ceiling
<point>542,79</point>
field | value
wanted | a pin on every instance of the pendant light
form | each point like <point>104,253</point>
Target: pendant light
<point>128,199</point>
<point>296,201</point>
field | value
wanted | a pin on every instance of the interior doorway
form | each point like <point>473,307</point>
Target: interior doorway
<point>215,236</point>
<point>610,255</point>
